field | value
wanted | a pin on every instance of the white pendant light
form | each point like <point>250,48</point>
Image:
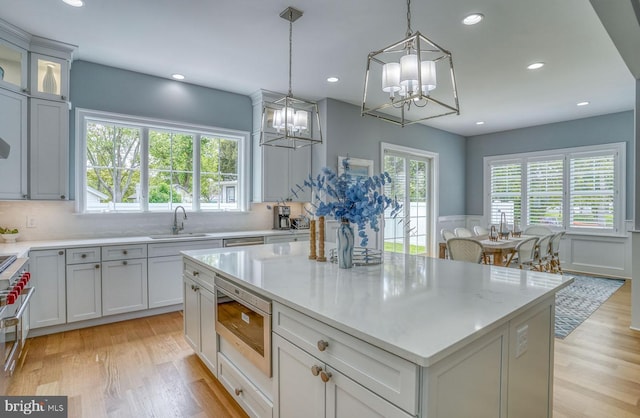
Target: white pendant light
<point>411,91</point>
<point>289,122</point>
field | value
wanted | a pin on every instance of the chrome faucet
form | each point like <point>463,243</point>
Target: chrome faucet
<point>175,229</point>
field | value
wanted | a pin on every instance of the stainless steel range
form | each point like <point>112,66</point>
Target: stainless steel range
<point>14,310</point>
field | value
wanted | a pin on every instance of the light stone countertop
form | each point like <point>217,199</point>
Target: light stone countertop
<point>22,248</point>
<point>419,308</point>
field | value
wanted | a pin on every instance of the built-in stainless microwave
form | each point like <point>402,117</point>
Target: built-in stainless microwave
<point>244,320</point>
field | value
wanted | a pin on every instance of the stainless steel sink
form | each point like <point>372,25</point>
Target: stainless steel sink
<point>178,236</point>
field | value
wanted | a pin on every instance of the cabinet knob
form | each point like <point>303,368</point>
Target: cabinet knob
<point>62,197</point>
<point>125,252</point>
<point>196,273</point>
<point>83,256</point>
<point>25,196</point>
<point>60,252</point>
<point>325,376</point>
<point>322,345</point>
<point>97,266</point>
<point>315,370</point>
<point>124,263</point>
<point>238,391</point>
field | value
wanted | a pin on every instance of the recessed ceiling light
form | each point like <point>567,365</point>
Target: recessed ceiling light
<point>177,76</point>
<point>535,65</point>
<point>480,122</point>
<point>74,3</point>
<point>582,104</point>
<point>473,19</point>
<point>333,79</point>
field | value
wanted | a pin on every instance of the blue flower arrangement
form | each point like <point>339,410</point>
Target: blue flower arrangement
<point>356,199</point>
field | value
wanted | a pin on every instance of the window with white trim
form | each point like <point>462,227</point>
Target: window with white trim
<point>577,189</point>
<point>131,164</point>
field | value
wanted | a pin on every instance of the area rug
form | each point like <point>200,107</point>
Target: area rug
<point>580,299</point>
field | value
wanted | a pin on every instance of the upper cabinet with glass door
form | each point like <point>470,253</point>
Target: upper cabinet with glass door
<point>49,77</point>
<point>13,66</point>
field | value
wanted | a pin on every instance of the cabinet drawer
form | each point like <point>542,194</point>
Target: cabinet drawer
<point>174,248</point>
<point>83,255</point>
<point>285,238</point>
<point>242,390</point>
<point>385,374</point>
<point>124,252</point>
<point>199,274</point>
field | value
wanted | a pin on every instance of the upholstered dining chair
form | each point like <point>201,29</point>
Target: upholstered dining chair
<point>462,232</point>
<point>464,249</point>
<point>554,251</point>
<point>479,230</point>
<point>539,230</point>
<point>543,256</point>
<point>524,254</point>
<point>446,234</point>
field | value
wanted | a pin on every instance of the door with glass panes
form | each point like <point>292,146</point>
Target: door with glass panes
<point>411,232</point>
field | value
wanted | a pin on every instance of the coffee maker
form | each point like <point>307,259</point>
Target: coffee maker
<point>281,217</point>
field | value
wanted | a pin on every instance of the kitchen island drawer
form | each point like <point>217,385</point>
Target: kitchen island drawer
<point>391,377</point>
<point>199,274</point>
<point>124,252</point>
<point>83,255</point>
<point>242,390</point>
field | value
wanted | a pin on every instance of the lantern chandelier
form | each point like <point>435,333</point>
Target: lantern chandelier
<point>410,91</point>
<point>289,122</point>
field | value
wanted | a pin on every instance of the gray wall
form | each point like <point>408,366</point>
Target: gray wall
<point>99,87</point>
<point>616,127</point>
<point>350,134</point>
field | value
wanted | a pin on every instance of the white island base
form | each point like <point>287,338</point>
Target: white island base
<point>414,337</point>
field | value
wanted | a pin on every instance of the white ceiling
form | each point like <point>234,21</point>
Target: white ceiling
<point>242,46</point>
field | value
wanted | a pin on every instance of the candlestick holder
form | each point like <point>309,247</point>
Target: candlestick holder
<point>312,240</point>
<point>321,257</point>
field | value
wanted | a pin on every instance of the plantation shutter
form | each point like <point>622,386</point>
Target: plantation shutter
<point>545,191</point>
<point>506,191</point>
<point>592,191</point>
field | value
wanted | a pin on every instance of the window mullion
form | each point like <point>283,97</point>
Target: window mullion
<point>196,172</point>
<point>144,169</point>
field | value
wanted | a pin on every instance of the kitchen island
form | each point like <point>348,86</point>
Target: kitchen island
<point>413,336</point>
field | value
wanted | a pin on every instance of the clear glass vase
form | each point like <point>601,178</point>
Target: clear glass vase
<point>344,243</point>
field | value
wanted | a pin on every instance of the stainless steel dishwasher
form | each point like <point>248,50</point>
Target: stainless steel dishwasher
<point>238,242</point>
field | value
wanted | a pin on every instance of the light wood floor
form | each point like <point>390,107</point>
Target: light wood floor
<point>144,368</point>
<point>138,368</point>
<point>597,367</point>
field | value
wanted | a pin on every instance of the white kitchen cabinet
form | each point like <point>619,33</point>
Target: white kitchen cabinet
<point>48,303</point>
<point>13,130</point>
<point>276,170</point>
<point>50,75</point>
<point>165,281</point>
<point>199,322</point>
<point>13,58</point>
<point>49,150</point>
<point>191,314</point>
<point>124,286</point>
<point>84,291</point>
<point>165,270</point>
<point>305,383</point>
<point>208,336</point>
<point>297,388</point>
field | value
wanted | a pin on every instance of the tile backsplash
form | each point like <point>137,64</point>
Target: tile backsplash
<point>58,220</point>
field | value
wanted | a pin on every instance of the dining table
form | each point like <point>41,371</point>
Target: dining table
<point>499,249</point>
